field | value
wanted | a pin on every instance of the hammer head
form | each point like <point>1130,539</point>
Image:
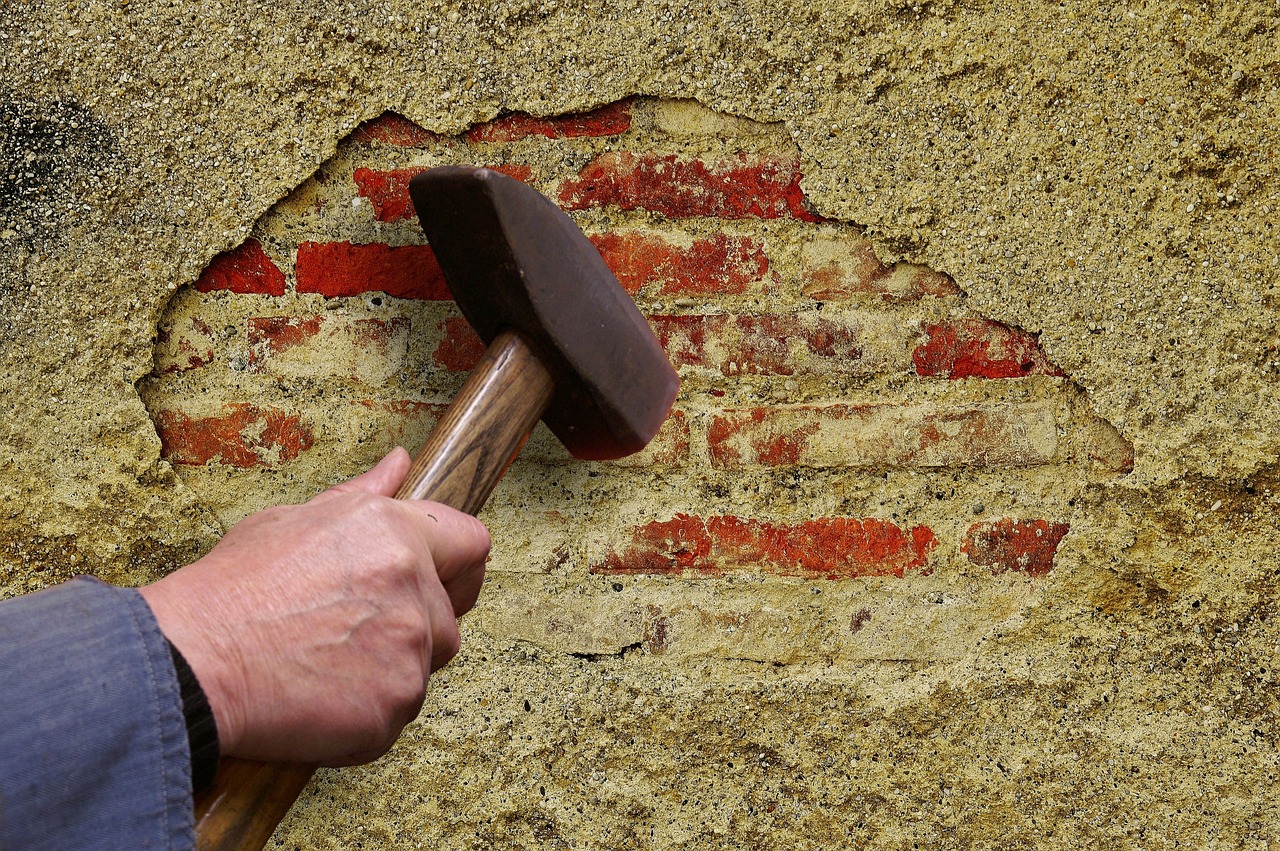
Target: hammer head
<point>514,260</point>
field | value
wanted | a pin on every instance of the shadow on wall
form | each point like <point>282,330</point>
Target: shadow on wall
<point>839,418</point>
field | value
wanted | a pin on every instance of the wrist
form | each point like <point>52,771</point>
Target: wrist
<point>202,729</point>
<point>199,650</point>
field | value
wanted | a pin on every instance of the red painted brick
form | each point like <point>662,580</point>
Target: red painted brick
<point>829,436</point>
<point>521,173</point>
<point>980,348</point>
<point>339,269</point>
<point>1026,546</point>
<point>392,129</point>
<point>246,436</point>
<point>739,187</point>
<point>610,120</point>
<point>716,265</point>
<point>246,269</point>
<point>827,547</point>
<point>771,344</point>
<point>388,191</point>
<point>459,349</point>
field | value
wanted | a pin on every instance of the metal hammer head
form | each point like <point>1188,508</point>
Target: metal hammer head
<point>514,260</point>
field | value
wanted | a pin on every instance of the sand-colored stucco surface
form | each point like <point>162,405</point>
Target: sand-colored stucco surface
<point>1104,176</point>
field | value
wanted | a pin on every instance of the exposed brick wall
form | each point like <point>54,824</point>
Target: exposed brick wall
<point>842,422</point>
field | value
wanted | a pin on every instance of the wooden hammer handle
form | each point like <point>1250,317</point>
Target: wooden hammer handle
<point>459,465</point>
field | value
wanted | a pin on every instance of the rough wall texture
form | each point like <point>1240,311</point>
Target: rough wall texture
<point>961,534</point>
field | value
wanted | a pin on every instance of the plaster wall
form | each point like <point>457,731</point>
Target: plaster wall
<point>962,533</point>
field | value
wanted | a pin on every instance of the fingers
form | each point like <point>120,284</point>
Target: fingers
<point>383,479</point>
<point>443,639</point>
<point>459,545</point>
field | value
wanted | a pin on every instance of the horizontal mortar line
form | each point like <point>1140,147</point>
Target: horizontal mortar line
<point>197,388</point>
<point>595,222</point>
<point>893,389</point>
<point>906,318</point>
<point>401,234</point>
<point>237,308</point>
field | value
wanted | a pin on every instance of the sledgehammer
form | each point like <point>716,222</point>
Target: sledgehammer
<point>565,345</point>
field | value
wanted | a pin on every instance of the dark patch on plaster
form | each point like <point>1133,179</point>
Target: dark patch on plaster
<point>48,150</point>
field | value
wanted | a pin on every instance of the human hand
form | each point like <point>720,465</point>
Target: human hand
<point>314,628</point>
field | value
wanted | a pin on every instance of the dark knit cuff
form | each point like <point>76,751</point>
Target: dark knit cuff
<point>202,731</point>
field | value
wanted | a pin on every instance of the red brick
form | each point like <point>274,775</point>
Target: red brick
<point>392,129</point>
<point>459,349</point>
<point>980,348</point>
<point>388,191</point>
<point>1026,546</point>
<point>521,173</point>
<point>715,265</point>
<point>246,436</point>
<point>340,269</point>
<point>610,120</point>
<point>246,269</point>
<point>739,187</point>
<point>771,344</point>
<point>827,547</point>
<point>830,436</point>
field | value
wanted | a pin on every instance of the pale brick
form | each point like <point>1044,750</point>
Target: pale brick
<point>185,345</point>
<point>827,343</point>
<point>837,267</point>
<point>333,345</point>
<point>1012,435</point>
<point>690,118</point>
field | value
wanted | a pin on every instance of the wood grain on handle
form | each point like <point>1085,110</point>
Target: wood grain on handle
<point>459,465</point>
<point>484,428</point>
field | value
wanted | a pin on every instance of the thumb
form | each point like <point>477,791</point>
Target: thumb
<point>382,480</point>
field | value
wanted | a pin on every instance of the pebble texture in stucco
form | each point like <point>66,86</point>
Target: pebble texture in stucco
<point>1104,175</point>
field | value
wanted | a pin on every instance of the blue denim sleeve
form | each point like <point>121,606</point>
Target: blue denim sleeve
<point>93,745</point>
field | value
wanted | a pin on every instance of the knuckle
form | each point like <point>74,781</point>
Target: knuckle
<point>445,647</point>
<point>403,705</point>
<point>401,554</point>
